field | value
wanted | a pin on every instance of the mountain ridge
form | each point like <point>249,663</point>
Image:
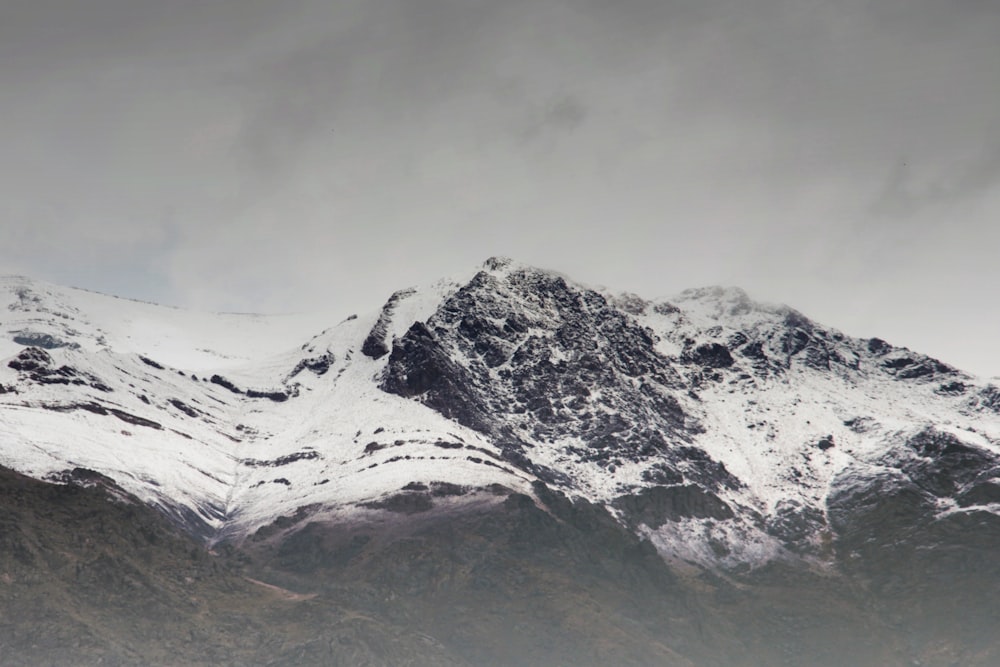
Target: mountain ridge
<point>511,376</point>
<point>507,468</point>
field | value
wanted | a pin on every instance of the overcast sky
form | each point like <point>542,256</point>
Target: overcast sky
<point>839,156</point>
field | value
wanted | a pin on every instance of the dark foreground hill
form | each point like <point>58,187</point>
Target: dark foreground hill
<point>89,576</point>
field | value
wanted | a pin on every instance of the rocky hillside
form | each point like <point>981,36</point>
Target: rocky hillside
<point>687,462</point>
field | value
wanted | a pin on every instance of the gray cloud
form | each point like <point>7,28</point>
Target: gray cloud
<point>246,154</point>
<point>902,197</point>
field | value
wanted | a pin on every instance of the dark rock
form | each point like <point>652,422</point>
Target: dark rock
<point>943,464</point>
<point>926,367</point>
<point>375,344</point>
<point>445,489</point>
<point>282,460</point>
<point>662,474</point>
<point>448,445</point>
<point>794,341</point>
<point>755,350</point>
<point>223,382</point>
<point>419,367</point>
<point>736,340</point>
<point>796,320</point>
<point>318,365</point>
<point>712,355</point>
<point>555,344</point>
<point>987,399</point>
<point>31,359</point>
<point>184,407</point>
<point>879,347</point>
<point>954,388</point>
<point>859,424</point>
<point>276,396</point>
<point>819,356</point>
<point>796,525</point>
<point>983,493</point>
<point>656,505</point>
<point>876,509</point>
<point>150,362</point>
<point>100,386</point>
<point>664,308</point>
<point>98,409</point>
<point>135,419</point>
<point>46,341</point>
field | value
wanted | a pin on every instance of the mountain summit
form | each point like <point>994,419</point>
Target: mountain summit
<point>731,436</point>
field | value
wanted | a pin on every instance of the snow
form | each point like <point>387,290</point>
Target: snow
<point>201,462</point>
<point>707,542</point>
<point>191,340</point>
<point>339,442</point>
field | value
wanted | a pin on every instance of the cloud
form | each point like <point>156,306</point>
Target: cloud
<point>905,195</point>
<point>260,154</point>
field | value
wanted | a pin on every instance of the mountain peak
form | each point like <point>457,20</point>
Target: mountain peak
<point>717,302</point>
<point>497,263</point>
<point>513,377</point>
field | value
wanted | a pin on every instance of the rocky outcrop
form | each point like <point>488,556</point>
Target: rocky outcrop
<point>376,344</point>
<point>529,357</point>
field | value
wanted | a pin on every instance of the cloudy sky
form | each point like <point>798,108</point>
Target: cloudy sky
<point>839,156</point>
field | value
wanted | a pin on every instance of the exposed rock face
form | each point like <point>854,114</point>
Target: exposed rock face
<point>31,359</point>
<point>375,344</point>
<point>530,358</point>
<point>535,362</point>
<point>46,341</point>
<point>37,365</point>
<point>751,418</point>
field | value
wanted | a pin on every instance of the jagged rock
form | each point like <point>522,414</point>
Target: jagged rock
<point>318,365</point>
<point>712,355</point>
<point>31,359</point>
<point>375,344</point>
<point>223,382</point>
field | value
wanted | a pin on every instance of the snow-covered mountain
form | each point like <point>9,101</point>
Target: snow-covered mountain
<point>727,432</point>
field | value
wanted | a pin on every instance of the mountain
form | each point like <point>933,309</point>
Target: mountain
<point>509,468</point>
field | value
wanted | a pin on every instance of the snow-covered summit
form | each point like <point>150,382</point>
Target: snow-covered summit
<point>719,427</point>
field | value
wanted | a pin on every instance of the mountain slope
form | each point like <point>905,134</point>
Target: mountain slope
<point>88,575</point>
<point>746,417</point>
<point>740,445</point>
